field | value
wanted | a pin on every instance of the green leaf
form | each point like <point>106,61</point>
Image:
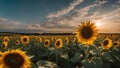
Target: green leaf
<point>46,64</point>
<point>65,56</point>
<point>96,63</point>
<point>76,57</point>
<point>107,56</point>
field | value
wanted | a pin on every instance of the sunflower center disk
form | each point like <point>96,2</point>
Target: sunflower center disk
<point>3,45</point>
<point>46,43</point>
<point>17,42</point>
<point>105,42</point>
<point>58,43</point>
<point>6,40</point>
<point>14,60</point>
<point>25,39</point>
<point>86,32</point>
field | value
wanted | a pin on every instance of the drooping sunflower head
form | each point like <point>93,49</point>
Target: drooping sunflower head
<point>87,32</point>
<point>107,43</point>
<point>17,42</point>
<point>6,39</point>
<point>14,59</point>
<point>58,43</point>
<point>4,45</point>
<point>47,43</point>
<point>25,39</point>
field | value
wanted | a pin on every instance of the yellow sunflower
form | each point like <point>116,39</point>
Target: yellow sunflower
<point>111,36</point>
<point>25,39</point>
<point>73,39</point>
<point>4,45</point>
<point>14,59</point>
<point>66,40</point>
<point>40,39</point>
<point>17,42</point>
<point>87,32</point>
<point>6,39</point>
<point>107,43</point>
<point>47,43</point>
<point>58,44</point>
<point>116,43</point>
<point>52,39</point>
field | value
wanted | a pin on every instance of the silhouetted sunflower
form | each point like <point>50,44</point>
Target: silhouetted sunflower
<point>107,43</point>
<point>87,32</point>
<point>14,59</point>
<point>58,44</point>
<point>25,39</point>
<point>47,43</point>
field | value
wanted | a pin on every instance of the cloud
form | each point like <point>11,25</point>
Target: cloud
<point>68,19</point>
<point>59,22</point>
<point>84,12</point>
<point>65,10</point>
<point>6,24</point>
<point>76,15</point>
<point>3,19</point>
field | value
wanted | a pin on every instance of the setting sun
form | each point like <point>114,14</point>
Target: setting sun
<point>98,23</point>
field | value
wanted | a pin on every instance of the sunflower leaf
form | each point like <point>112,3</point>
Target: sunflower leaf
<point>76,57</point>
<point>46,64</point>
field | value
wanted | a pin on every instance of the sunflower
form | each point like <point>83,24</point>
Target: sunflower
<point>73,39</point>
<point>40,39</point>
<point>14,59</point>
<point>107,43</point>
<point>58,44</point>
<point>47,43</point>
<point>87,32</point>
<point>52,39</point>
<point>4,45</point>
<point>6,39</point>
<point>116,43</point>
<point>17,42</point>
<point>25,39</point>
<point>66,40</point>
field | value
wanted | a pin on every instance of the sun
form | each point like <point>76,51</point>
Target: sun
<point>98,23</point>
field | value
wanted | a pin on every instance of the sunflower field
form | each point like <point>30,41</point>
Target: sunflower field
<point>86,49</point>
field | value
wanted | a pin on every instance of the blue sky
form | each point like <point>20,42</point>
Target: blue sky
<point>58,15</point>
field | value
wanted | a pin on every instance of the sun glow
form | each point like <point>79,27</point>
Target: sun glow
<point>98,23</point>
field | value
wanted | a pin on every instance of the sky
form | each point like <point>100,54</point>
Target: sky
<point>39,16</point>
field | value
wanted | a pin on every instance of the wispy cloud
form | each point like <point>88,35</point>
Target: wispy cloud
<point>65,10</point>
<point>77,15</point>
<point>68,18</point>
<point>59,22</point>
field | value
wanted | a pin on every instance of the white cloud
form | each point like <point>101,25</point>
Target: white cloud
<point>65,10</point>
